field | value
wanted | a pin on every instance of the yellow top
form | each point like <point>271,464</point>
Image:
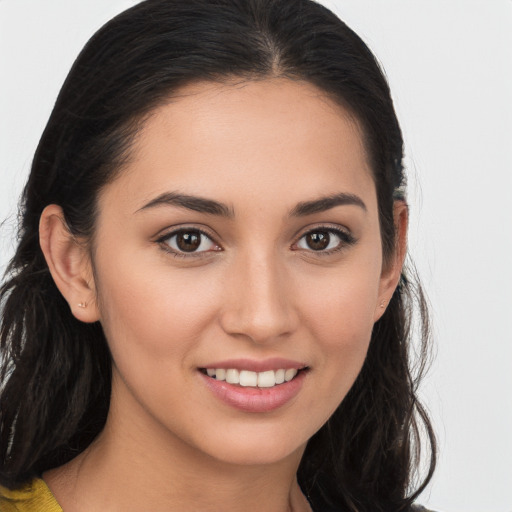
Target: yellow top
<point>32,497</point>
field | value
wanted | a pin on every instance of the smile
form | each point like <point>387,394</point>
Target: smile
<point>247,378</point>
<point>254,391</point>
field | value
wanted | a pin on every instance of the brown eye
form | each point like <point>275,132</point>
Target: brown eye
<point>318,240</point>
<point>190,241</point>
<point>325,240</point>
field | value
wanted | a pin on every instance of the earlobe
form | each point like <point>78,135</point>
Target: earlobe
<point>392,271</point>
<point>69,264</point>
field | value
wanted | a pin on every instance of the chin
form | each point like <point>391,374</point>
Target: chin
<point>246,448</point>
<point>249,454</point>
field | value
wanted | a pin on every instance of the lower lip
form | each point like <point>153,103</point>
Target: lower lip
<point>252,399</point>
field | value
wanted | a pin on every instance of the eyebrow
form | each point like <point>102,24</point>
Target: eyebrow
<point>326,203</point>
<point>195,203</point>
<point>212,207</point>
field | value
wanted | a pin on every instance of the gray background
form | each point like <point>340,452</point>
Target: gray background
<point>449,64</point>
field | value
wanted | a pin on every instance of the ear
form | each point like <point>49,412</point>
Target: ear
<point>69,264</point>
<point>392,269</point>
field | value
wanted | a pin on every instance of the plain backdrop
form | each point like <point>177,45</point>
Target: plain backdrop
<point>449,63</point>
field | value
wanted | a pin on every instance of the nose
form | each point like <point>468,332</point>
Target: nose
<point>258,301</point>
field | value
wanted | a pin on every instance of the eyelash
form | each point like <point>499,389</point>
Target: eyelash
<point>164,240</point>
<point>345,239</point>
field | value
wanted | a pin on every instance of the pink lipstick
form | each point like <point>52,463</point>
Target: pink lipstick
<point>255,386</point>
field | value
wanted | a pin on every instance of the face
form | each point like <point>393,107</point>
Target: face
<point>242,243</point>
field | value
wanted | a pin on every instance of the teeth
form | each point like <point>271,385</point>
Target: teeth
<point>246,378</point>
<point>289,374</point>
<point>266,379</point>
<point>232,376</point>
<point>280,376</point>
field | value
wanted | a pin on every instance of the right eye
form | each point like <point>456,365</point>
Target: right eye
<point>188,241</point>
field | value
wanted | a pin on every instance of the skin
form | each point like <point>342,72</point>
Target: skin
<point>256,291</point>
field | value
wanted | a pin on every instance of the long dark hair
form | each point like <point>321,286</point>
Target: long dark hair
<point>55,376</point>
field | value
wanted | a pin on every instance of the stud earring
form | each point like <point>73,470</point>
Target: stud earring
<point>82,305</point>
<point>383,304</point>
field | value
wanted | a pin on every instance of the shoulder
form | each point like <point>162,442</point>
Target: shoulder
<point>34,496</point>
<point>419,508</point>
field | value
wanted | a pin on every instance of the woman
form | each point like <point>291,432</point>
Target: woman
<point>208,309</point>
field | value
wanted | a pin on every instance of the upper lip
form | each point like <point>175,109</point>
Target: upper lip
<point>254,365</point>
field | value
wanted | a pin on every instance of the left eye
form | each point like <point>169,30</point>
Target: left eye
<point>190,241</point>
<point>323,240</point>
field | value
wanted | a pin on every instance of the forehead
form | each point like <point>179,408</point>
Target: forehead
<point>245,139</point>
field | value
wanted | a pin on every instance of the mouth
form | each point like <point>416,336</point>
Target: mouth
<point>248,378</point>
<point>255,386</point>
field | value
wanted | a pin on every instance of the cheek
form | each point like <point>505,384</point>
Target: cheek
<point>342,330</point>
<point>341,306</point>
<point>157,310</point>
<point>339,316</point>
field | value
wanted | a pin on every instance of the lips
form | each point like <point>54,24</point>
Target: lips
<point>253,386</point>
